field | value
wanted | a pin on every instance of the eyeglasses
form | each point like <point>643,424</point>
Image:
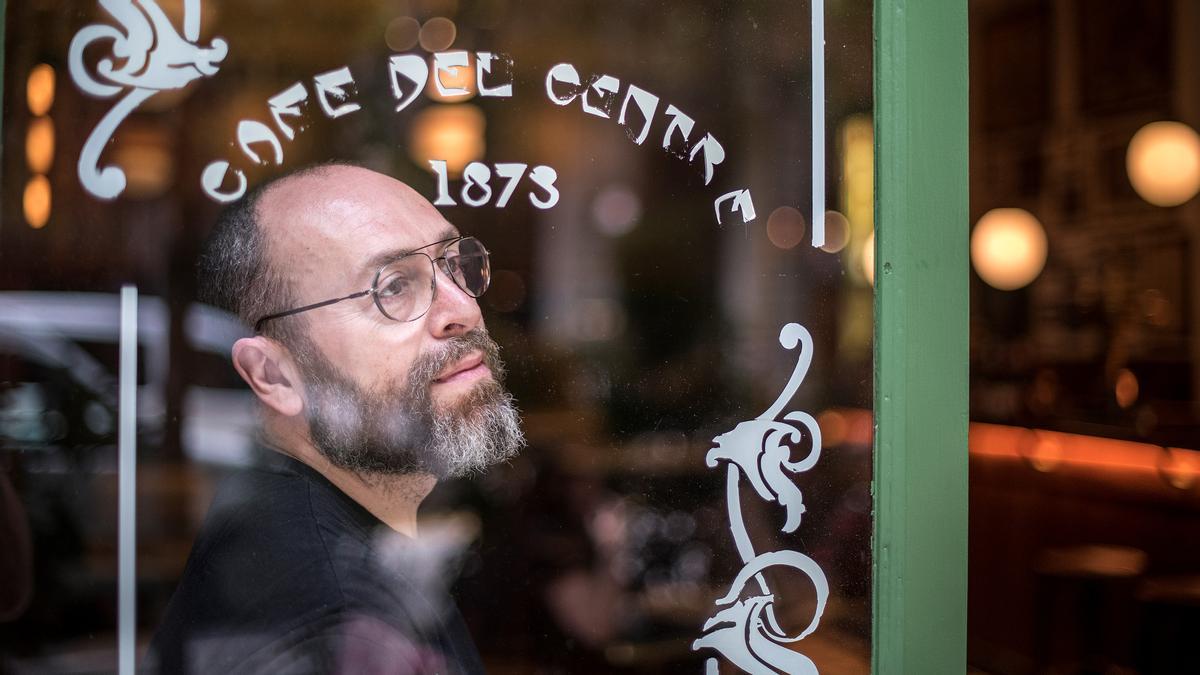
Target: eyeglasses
<point>404,289</point>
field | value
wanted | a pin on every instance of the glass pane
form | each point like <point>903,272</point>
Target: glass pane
<point>688,345</point>
<point>1085,370</point>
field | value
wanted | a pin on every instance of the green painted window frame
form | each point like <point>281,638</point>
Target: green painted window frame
<point>921,337</point>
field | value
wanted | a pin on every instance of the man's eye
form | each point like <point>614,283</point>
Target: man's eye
<point>395,285</point>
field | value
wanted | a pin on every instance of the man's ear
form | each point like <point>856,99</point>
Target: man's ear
<point>270,371</point>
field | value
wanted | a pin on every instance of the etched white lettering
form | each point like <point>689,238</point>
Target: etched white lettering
<point>411,67</point>
<point>714,154</point>
<point>647,103</point>
<point>513,172</point>
<point>544,176</point>
<point>563,73</point>
<point>331,86</point>
<point>449,63</point>
<point>742,202</point>
<point>476,175</point>
<point>679,123</point>
<point>483,64</point>
<point>214,176</point>
<point>605,87</point>
<point>287,102</point>
<point>443,183</point>
<point>250,132</point>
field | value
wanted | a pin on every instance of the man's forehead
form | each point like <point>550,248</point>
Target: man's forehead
<point>355,210</point>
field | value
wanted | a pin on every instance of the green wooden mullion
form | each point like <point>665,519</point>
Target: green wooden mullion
<point>921,303</point>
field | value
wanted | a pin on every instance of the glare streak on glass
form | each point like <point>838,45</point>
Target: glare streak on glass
<point>818,123</point>
<point>127,466</point>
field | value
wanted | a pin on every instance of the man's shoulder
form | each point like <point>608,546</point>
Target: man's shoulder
<point>285,567</point>
<point>262,510</point>
<point>260,572</point>
<point>261,540</point>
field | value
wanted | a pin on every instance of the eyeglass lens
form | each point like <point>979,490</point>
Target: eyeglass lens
<point>405,288</point>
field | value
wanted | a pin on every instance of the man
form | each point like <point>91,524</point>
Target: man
<point>375,378</point>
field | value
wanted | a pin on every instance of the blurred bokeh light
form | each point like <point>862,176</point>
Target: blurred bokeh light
<point>438,34</point>
<point>1163,162</point>
<point>837,232</point>
<point>39,89</point>
<point>1126,388</point>
<point>616,210</point>
<point>37,202</point>
<point>39,145</point>
<point>453,133</point>
<point>1008,248</point>
<point>402,33</point>
<point>785,227</point>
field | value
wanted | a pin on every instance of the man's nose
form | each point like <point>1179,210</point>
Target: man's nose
<point>453,312</point>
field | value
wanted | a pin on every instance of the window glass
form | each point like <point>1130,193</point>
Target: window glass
<point>688,345</point>
<point>1084,365</point>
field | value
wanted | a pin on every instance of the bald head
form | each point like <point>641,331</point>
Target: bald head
<point>324,228</point>
<point>290,237</point>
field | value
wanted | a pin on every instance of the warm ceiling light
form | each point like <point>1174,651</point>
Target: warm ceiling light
<point>39,89</point>
<point>39,145</point>
<point>1163,162</point>
<point>453,133</point>
<point>37,202</point>
<point>1008,248</point>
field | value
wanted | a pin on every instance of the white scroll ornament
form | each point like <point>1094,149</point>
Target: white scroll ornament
<point>147,56</point>
<point>746,631</point>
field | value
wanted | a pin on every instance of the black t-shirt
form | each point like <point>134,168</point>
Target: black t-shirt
<point>290,575</point>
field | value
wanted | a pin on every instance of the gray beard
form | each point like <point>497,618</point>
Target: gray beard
<point>398,430</point>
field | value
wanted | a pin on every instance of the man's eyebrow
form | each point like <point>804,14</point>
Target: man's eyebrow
<point>384,257</point>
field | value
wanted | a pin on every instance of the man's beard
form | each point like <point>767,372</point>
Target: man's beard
<point>398,429</point>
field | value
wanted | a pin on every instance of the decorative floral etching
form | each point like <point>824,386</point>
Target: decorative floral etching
<point>147,56</point>
<point>744,628</point>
